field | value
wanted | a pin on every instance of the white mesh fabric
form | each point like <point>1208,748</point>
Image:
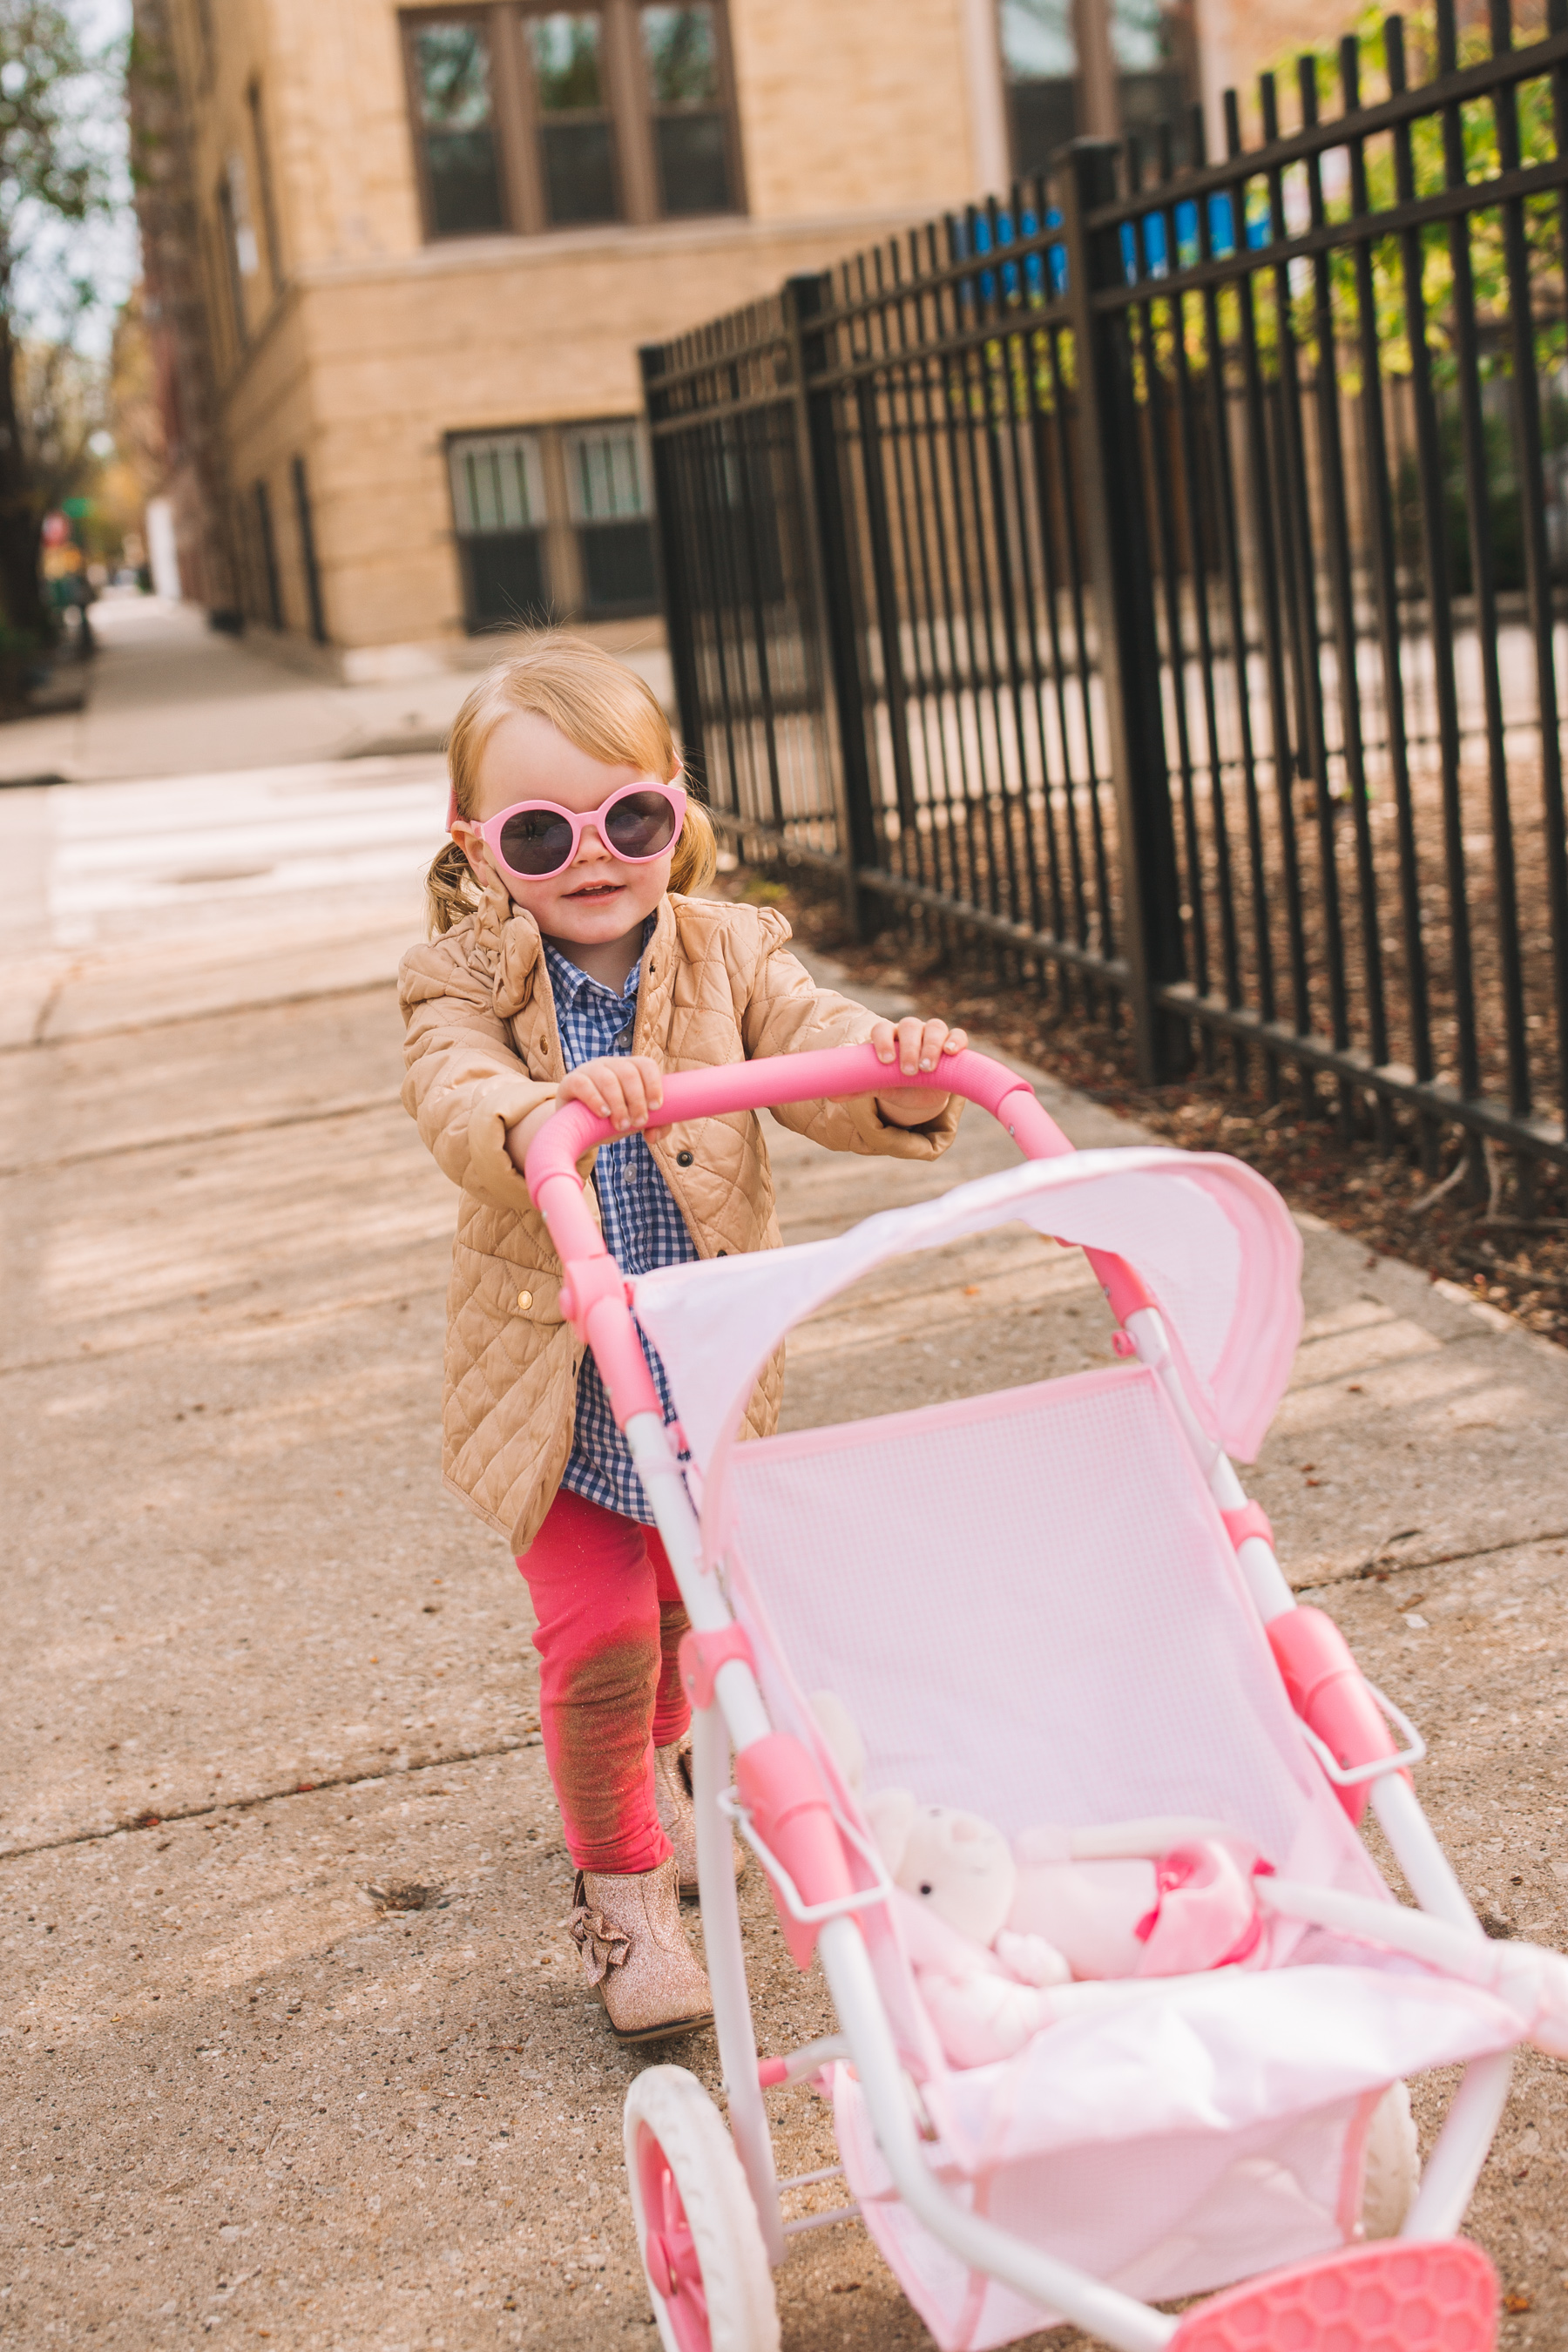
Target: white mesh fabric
<point>1028,1604</point>
<point>1158,2219</point>
<point>1185,2142</point>
<point>1212,1240</point>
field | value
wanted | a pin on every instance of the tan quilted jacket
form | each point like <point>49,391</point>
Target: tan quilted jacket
<point>482,1050</point>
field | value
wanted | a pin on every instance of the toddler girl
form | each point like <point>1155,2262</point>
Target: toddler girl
<point>571,959</point>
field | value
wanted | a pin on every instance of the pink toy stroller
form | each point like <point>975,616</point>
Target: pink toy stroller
<point>1052,1604</point>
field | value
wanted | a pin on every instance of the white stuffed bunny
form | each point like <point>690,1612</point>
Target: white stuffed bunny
<point>994,1932</point>
<point>984,1988</point>
<point>1057,1903</point>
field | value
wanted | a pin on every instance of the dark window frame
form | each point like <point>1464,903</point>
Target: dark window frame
<point>268,540</point>
<point>564,588</point>
<point>606,528</point>
<point>517,118</point>
<point>309,567</point>
<point>527,543</point>
<point>651,112</point>
<point>271,238</point>
<point>490,19</point>
<point>536,118</point>
<point>234,277</point>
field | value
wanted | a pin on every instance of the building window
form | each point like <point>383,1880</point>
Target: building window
<point>231,231</point>
<point>264,181</point>
<point>304,524</point>
<point>267,543</point>
<point>1152,43</point>
<point>1040,60</point>
<point>576,130</point>
<point>498,506</point>
<point>531,117</point>
<point>553,522</point>
<point>459,165</point>
<point>608,495</point>
<point>690,120</point>
<point>1147,71</point>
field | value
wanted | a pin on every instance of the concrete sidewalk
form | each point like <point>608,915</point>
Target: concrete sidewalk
<point>165,695</point>
<point>296,2046</point>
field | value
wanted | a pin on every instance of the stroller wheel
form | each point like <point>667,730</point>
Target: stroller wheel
<point>697,2231</point>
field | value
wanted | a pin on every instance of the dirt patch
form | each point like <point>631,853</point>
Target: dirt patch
<point>407,1895</point>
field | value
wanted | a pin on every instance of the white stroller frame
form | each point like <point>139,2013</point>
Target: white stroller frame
<point>730,1712</point>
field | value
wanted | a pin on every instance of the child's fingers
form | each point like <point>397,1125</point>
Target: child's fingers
<point>607,1079</point>
<point>632,1087</point>
<point>934,1043</point>
<point>625,1091</point>
<point>883,1040</point>
<point>911,1037</point>
<point>582,1086</point>
<point>955,1041</point>
<point>652,1079</point>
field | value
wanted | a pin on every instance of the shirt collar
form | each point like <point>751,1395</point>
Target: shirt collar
<point>571,983</point>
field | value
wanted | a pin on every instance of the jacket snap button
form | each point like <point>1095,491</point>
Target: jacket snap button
<point>525,1301</point>
<point>684,1158</point>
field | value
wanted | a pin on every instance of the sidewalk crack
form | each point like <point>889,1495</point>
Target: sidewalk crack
<point>511,1745</point>
<point>1379,1565</point>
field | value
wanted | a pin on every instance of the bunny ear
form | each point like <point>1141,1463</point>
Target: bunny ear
<point>837,1727</point>
<point>891,1813</point>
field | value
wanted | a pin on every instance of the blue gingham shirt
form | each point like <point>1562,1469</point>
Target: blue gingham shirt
<point>643,1227</point>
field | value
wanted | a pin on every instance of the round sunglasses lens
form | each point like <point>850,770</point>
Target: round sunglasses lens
<point>537,841</point>
<point>641,826</point>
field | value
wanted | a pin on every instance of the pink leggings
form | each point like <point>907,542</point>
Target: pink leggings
<point>610,1623</point>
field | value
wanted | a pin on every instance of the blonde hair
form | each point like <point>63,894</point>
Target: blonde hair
<point>598,703</point>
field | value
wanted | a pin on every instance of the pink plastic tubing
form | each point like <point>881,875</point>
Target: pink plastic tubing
<point>594,1297</point>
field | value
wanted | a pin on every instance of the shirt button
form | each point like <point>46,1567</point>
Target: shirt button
<point>684,1158</point>
<point>622,1043</point>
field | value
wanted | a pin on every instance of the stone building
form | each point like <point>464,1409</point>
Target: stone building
<point>404,257</point>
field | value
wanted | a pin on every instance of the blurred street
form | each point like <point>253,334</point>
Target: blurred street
<point>296,2045</point>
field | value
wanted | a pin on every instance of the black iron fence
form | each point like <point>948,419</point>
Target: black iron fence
<point>1163,573</point>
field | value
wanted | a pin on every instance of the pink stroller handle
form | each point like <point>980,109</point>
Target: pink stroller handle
<point>593,1284</point>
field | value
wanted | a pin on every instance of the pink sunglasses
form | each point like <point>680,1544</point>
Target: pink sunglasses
<point>535,838</point>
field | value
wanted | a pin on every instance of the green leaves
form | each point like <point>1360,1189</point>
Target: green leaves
<point>56,167</point>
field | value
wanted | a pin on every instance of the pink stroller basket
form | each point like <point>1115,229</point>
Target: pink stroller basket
<point>1052,1604</point>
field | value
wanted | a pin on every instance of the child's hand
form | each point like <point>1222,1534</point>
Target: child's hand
<point>627,1089</point>
<point>915,1045</point>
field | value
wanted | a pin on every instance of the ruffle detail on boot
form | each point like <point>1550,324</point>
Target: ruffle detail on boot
<point>602,1946</point>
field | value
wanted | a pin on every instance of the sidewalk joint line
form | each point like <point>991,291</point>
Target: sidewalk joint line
<point>152,1820</point>
<point>187,1020</point>
<point>279,1323</point>
<point>45,1014</point>
<point>186,1140</point>
<point>1377,1564</point>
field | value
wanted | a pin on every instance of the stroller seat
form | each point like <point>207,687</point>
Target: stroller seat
<point>1031,1607</point>
<point>1057,1609</point>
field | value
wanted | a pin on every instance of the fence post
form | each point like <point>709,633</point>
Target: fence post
<point>680,619</point>
<point>832,583</point>
<point>1122,577</point>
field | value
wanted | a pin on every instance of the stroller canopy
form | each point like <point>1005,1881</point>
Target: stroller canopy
<point>1215,1246</point>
